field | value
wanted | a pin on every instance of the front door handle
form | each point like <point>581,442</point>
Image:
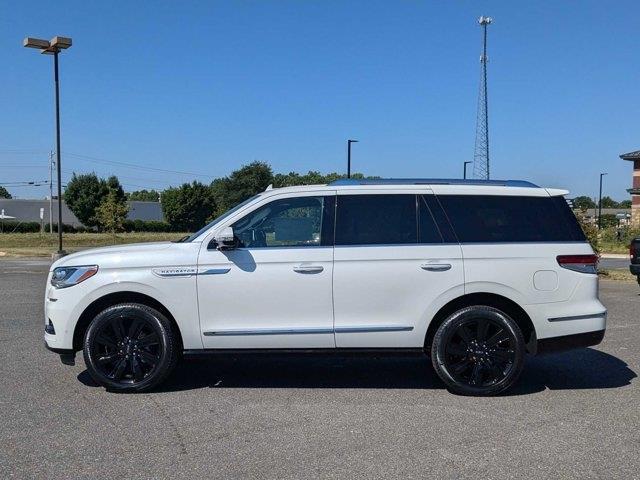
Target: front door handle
<point>436,267</point>
<point>308,268</point>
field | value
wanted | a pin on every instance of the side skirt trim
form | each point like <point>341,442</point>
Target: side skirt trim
<point>311,330</point>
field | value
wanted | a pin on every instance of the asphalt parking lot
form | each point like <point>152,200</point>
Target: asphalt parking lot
<point>572,415</point>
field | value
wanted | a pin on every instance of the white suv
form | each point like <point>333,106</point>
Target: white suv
<point>473,273</point>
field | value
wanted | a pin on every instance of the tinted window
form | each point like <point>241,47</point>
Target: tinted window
<point>428,231</point>
<point>482,218</point>
<point>289,222</point>
<point>376,219</point>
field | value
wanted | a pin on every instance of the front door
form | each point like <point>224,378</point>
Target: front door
<point>275,289</point>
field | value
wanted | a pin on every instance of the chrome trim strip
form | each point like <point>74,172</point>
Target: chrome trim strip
<point>215,271</point>
<point>310,330</point>
<point>275,331</point>
<point>579,317</point>
<point>371,329</point>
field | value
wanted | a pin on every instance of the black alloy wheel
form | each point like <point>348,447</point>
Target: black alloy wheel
<point>130,347</point>
<point>478,350</point>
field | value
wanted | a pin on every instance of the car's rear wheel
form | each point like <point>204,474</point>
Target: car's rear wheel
<point>130,347</point>
<point>478,350</point>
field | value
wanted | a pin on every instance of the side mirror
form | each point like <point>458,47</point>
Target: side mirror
<point>224,239</point>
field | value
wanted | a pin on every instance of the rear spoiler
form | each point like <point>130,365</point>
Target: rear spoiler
<point>556,192</point>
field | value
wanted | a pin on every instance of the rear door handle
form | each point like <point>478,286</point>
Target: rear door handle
<point>308,268</point>
<point>436,267</point>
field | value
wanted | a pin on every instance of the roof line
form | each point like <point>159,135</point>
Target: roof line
<point>431,181</point>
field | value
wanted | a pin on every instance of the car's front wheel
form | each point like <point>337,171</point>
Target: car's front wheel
<point>478,350</point>
<point>130,347</point>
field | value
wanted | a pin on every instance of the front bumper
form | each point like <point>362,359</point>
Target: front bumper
<point>569,342</point>
<point>635,269</point>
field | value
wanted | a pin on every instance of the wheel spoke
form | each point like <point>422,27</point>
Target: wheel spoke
<point>456,349</point>
<point>499,337</point>
<point>148,340</point>
<point>464,334</point>
<point>118,328</point>
<point>502,355</point>
<point>148,357</point>
<point>119,368</point>
<point>108,358</point>
<point>138,374</point>
<point>461,366</point>
<point>135,328</point>
<point>476,374</point>
<point>103,339</point>
<point>483,328</point>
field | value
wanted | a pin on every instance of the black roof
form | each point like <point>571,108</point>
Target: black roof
<point>631,155</point>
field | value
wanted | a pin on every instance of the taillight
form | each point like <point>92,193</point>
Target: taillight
<point>579,263</point>
<point>632,250</point>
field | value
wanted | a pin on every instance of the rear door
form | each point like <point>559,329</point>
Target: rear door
<point>393,268</point>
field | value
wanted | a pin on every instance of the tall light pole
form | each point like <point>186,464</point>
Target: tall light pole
<point>600,203</point>
<point>54,47</point>
<point>349,142</point>
<point>464,175</point>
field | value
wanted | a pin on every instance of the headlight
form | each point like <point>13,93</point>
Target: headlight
<point>64,277</point>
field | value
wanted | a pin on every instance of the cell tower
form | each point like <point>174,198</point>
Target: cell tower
<point>481,151</point>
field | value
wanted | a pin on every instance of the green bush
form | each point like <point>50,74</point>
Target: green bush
<point>34,227</point>
<point>146,226</point>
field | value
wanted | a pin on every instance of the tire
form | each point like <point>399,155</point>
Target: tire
<point>479,351</point>
<point>130,347</point>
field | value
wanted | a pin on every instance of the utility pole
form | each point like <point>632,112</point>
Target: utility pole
<point>51,192</point>
<point>481,150</point>
<point>349,142</point>
<point>600,203</point>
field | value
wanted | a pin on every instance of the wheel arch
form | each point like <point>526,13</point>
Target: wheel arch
<point>114,298</point>
<point>508,306</point>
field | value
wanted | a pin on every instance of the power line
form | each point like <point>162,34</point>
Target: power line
<point>136,166</point>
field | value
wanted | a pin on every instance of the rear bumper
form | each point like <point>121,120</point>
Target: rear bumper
<point>635,269</point>
<point>569,342</point>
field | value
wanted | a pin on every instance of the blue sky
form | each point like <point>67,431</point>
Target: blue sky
<point>204,87</point>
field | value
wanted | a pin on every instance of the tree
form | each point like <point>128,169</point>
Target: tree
<point>608,202</point>
<point>625,204</point>
<point>186,208</point>
<point>83,196</point>
<point>4,193</point>
<point>144,196</point>
<point>113,184</point>
<point>583,203</point>
<point>240,185</point>
<point>112,212</point>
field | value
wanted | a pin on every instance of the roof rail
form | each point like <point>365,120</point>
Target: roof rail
<point>431,181</point>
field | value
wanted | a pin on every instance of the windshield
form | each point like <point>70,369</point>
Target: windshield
<point>193,236</point>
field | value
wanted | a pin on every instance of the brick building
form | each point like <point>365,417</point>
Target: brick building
<point>635,186</point>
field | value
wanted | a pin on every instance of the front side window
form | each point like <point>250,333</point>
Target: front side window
<point>288,222</point>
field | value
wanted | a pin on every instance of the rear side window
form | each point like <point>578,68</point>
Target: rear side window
<point>486,219</point>
<point>376,220</point>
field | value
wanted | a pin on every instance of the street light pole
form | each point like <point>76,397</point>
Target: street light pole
<point>54,47</point>
<point>51,193</point>
<point>600,203</point>
<point>464,175</point>
<point>58,155</point>
<point>349,142</point>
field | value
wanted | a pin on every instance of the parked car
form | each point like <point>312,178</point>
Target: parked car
<point>634,257</point>
<point>473,273</point>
